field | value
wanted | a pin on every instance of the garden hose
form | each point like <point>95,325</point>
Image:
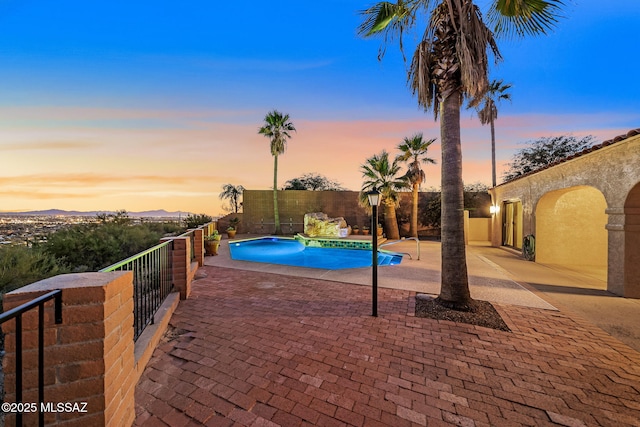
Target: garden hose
<point>529,247</point>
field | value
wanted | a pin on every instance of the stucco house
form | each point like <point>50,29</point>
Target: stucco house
<point>583,211</point>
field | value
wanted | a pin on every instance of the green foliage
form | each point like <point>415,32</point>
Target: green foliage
<point>383,174</point>
<point>196,220</point>
<point>21,265</point>
<point>233,223</point>
<point>429,210</point>
<point>544,152</point>
<point>312,182</point>
<point>91,247</point>
<point>477,200</point>
<point>119,217</point>
<point>215,236</point>
<point>277,128</point>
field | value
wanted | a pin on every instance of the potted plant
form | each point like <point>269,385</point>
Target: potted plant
<point>380,229</point>
<point>355,229</point>
<point>233,226</point>
<point>365,230</point>
<point>212,242</point>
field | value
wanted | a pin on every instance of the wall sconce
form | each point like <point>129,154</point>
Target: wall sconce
<point>494,209</point>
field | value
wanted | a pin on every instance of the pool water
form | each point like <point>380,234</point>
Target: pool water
<point>274,250</point>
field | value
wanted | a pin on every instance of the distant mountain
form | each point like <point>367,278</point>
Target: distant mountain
<point>55,212</point>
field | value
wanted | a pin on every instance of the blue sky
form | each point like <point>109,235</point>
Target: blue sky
<point>139,104</point>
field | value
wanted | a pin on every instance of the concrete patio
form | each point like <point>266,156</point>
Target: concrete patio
<point>262,345</point>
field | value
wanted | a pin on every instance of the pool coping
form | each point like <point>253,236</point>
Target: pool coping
<point>486,282</point>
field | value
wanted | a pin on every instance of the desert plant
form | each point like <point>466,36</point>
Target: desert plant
<point>22,265</point>
<point>196,220</point>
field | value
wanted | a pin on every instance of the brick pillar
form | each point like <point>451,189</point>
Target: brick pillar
<point>198,236</point>
<point>181,264</point>
<point>89,358</point>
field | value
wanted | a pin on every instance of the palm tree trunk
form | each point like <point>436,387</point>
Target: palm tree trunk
<point>413,229</point>
<point>276,215</point>
<point>390,221</point>
<point>454,290</point>
<point>493,153</point>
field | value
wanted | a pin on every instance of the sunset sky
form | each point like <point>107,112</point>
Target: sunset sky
<point>139,105</point>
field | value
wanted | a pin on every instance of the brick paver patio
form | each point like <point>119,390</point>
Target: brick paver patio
<point>258,349</point>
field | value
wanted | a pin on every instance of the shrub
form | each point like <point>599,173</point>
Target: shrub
<point>195,221</point>
<point>91,247</point>
<point>21,265</point>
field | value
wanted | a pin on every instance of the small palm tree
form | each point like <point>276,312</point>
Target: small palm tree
<point>415,148</point>
<point>382,174</point>
<point>232,193</point>
<point>277,128</point>
<point>486,106</point>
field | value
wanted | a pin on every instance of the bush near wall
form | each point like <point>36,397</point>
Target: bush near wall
<point>21,265</point>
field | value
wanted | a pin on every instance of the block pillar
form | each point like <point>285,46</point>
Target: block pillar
<point>198,238</point>
<point>181,265</point>
<point>615,249</point>
<point>88,359</point>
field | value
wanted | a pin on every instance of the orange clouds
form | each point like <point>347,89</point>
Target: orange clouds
<point>103,159</point>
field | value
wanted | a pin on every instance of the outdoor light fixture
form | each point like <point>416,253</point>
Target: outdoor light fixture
<point>374,197</point>
<point>494,209</point>
<point>374,202</point>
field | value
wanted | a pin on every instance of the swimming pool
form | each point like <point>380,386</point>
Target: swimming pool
<point>276,250</point>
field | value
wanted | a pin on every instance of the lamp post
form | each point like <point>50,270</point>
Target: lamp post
<point>374,202</point>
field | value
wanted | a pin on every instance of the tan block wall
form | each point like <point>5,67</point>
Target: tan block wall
<point>88,358</point>
<point>294,204</point>
<point>479,229</point>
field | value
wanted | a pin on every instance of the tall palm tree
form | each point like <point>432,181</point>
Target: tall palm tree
<point>382,174</point>
<point>488,112</point>
<point>451,62</point>
<point>232,193</point>
<point>415,148</point>
<point>277,128</point>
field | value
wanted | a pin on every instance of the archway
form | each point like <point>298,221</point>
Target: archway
<point>632,243</point>
<point>570,230</point>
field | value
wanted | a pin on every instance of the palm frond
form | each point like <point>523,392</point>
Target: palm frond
<point>521,18</point>
<point>390,21</point>
<point>486,102</point>
<point>381,173</point>
<point>278,129</point>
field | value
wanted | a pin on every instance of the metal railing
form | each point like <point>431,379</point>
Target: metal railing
<point>16,313</point>
<point>402,240</point>
<point>283,224</point>
<point>152,282</point>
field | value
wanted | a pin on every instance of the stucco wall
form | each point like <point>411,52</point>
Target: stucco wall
<point>612,170</point>
<point>480,229</point>
<point>571,227</point>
